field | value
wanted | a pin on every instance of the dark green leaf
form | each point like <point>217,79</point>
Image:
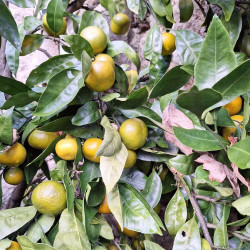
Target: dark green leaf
<point>186,10</point>
<point>31,43</point>
<point>56,96</point>
<point>12,57</point>
<point>226,5</point>
<point>121,80</point>
<point>243,205</point>
<point>217,58</point>
<point>31,22</point>
<point>134,100</point>
<point>151,155</point>
<point>86,64</point>
<point>200,140</point>
<point>158,7</point>
<point>55,15</point>
<point>109,6</point>
<point>6,129</point>
<point>87,114</point>
<point>198,101</point>
<point>142,10</point>
<point>8,27</point>
<point>188,236</point>
<point>52,67</point>
<point>233,26</point>
<point>61,124</point>
<point>239,153</point>
<point>120,47</point>
<point>183,164</point>
<point>12,87</point>
<point>170,82</point>
<point>78,44</point>
<point>176,213</point>
<point>188,44</point>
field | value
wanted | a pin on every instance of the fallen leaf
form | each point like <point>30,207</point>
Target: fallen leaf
<point>240,177</point>
<point>215,168</point>
<point>174,117</point>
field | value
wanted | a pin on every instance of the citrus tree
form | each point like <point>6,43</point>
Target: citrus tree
<point>126,142</point>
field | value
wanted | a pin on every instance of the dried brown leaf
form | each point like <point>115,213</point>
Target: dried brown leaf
<point>233,180</point>
<point>232,140</point>
<point>174,117</point>
<point>215,168</point>
<point>240,177</point>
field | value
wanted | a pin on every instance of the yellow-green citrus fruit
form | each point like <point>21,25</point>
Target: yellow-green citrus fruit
<point>234,106</point>
<point>40,139</point>
<point>119,24</point>
<point>205,245</point>
<point>13,176</point>
<point>66,149</point>
<point>168,43</point>
<point>101,76</point>
<point>128,232</point>
<point>105,58</point>
<point>104,208</point>
<point>96,37</point>
<point>14,156</point>
<point>14,246</point>
<point>228,131</point>
<point>157,208</point>
<point>50,31</point>
<point>49,198</point>
<point>134,133</point>
<point>131,159</point>
<point>132,76</point>
<point>90,147</point>
<point>163,173</point>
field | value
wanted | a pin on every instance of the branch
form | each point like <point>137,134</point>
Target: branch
<point>238,235</point>
<point>75,5</point>
<point>45,52</point>
<point>201,8</point>
<point>59,40</point>
<point>17,195</point>
<point>195,207</point>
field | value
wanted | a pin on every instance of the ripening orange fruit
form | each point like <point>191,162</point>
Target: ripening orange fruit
<point>168,43</point>
<point>234,106</point>
<point>90,147</point>
<point>13,175</point>
<point>104,208</point>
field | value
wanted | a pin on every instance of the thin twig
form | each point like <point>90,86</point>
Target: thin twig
<point>242,2</point>
<point>45,52</point>
<point>35,30</point>
<point>117,245</point>
<point>206,198</point>
<point>195,207</point>
<point>55,39</point>
<point>75,5</point>
<point>201,8</point>
<point>238,235</point>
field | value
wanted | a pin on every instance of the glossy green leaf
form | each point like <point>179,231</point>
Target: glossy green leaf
<point>134,100</point>
<point>5,243</point>
<point>234,84</point>
<point>151,155</point>
<point>111,167</point>
<point>115,204</point>
<point>31,43</point>
<point>112,143</point>
<point>217,58</point>
<point>56,96</point>
<point>23,3</point>
<point>120,47</point>
<point>136,179</point>
<point>70,190</point>
<point>55,15</point>
<point>184,164</point>
<point>188,44</point>
<point>109,6</point>
<point>158,7</point>
<point>142,10</point>
<point>153,189</point>
<point>106,230</point>
<point>91,171</point>
<point>239,153</point>
<point>42,225</point>
<point>134,5</point>
<point>246,115</point>
<point>93,18</point>
<point>198,101</point>
<point>233,26</point>
<point>121,80</point>
<point>87,114</point>
<point>96,195</point>
<point>12,87</point>
<point>71,234</point>
<point>223,118</point>
<point>186,10</point>
<point>86,64</point>
<point>110,97</point>
<point>200,140</point>
<point>153,44</point>
<point>31,23</point>
<point>21,99</point>
<point>8,27</point>
<point>14,218</point>
<point>243,205</point>
<point>137,213</point>
<point>167,5</point>
<point>226,5</point>
<point>149,245</point>
<point>61,124</point>
<point>50,149</point>
<point>27,244</point>
<point>77,45</point>
<point>12,57</point>
<point>6,128</point>
<point>240,57</point>
<point>239,223</point>
<point>176,213</point>
<point>170,82</point>
<point>188,236</point>
<point>158,68</point>
<point>120,5</point>
<point>52,67</point>
<point>220,233</point>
